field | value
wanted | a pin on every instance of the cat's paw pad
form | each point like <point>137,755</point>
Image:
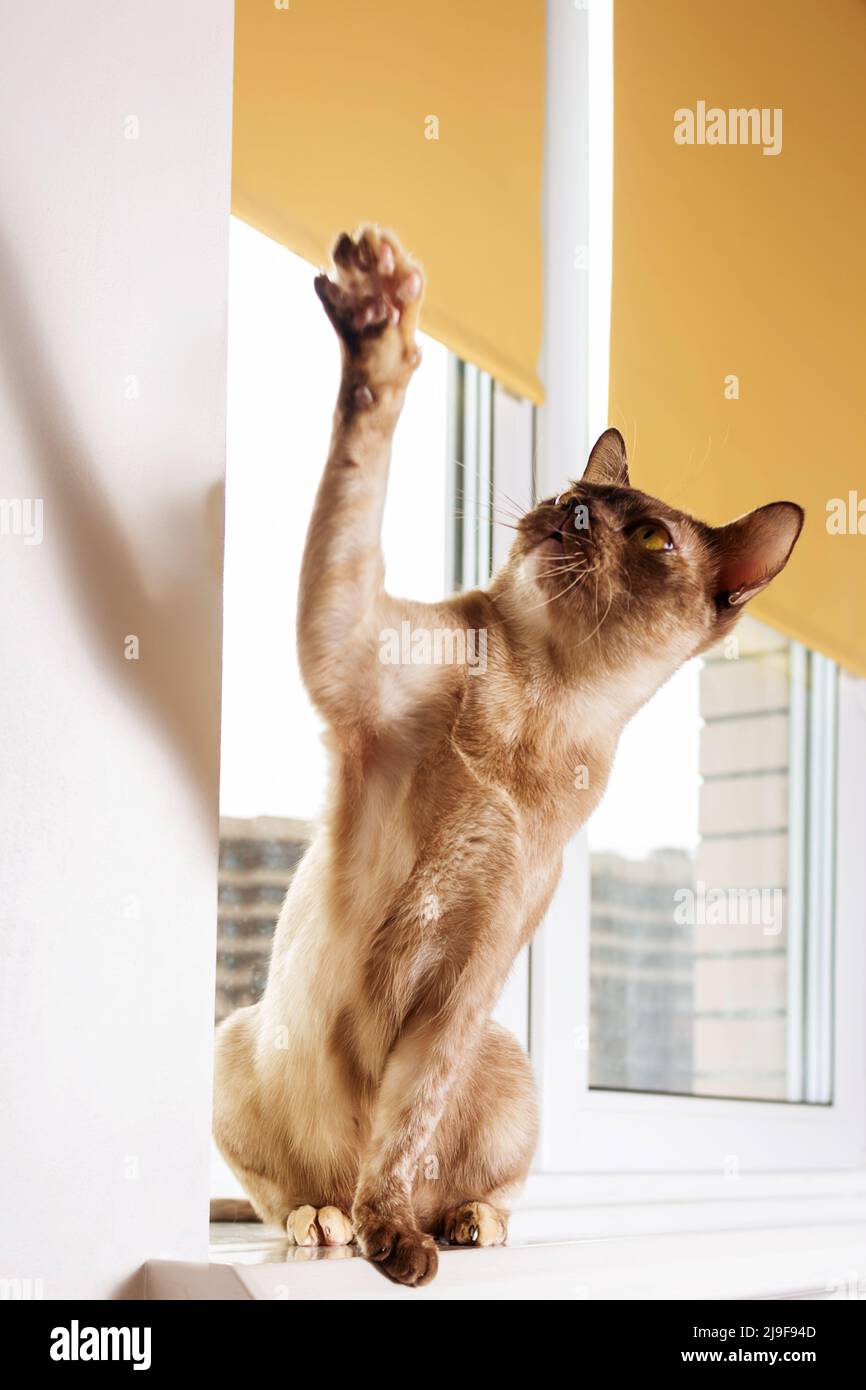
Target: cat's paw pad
<point>374,287</point>
<point>475,1223</point>
<point>319,1226</point>
<point>406,1255</point>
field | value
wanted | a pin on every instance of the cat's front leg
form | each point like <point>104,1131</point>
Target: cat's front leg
<point>372,298</point>
<point>418,1078</point>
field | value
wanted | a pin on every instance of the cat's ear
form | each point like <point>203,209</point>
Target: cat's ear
<point>607,461</point>
<point>753,549</point>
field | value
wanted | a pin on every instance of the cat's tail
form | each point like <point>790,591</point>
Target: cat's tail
<point>232,1209</point>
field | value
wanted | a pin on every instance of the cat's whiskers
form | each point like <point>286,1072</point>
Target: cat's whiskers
<point>599,624</point>
<point>566,564</point>
<point>580,578</point>
<point>565,567</point>
<point>518,511</point>
<point>582,573</point>
<point>497,520</point>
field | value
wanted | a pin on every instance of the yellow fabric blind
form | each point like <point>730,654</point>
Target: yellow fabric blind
<point>729,263</point>
<point>335,106</point>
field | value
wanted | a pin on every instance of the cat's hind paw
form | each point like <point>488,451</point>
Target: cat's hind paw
<point>475,1223</point>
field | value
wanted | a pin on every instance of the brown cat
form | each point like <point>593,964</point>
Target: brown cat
<point>369,1091</point>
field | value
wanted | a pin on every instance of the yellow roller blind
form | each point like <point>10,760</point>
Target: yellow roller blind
<point>426,118</point>
<point>738,354</point>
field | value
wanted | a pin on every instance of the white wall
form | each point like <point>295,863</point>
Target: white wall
<point>113,274</point>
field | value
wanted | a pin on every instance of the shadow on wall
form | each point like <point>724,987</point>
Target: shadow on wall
<point>179,630</point>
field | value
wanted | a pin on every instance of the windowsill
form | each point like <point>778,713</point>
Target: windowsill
<point>801,1263</point>
<point>565,1206</point>
<point>657,1237</point>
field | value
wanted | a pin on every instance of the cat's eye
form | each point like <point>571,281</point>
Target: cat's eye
<point>651,535</point>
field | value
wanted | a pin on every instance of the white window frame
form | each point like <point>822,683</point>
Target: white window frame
<point>649,1140</point>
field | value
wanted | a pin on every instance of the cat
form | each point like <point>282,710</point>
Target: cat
<point>368,1095</point>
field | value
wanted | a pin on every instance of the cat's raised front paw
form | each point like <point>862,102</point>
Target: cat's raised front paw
<point>372,298</point>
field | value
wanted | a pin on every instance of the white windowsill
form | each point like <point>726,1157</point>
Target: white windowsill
<point>820,1262</point>
<point>557,1207</point>
<point>661,1236</point>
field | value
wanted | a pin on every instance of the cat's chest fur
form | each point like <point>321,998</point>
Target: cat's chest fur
<point>475,793</point>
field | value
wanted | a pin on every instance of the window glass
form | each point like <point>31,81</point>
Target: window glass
<point>698,864</point>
